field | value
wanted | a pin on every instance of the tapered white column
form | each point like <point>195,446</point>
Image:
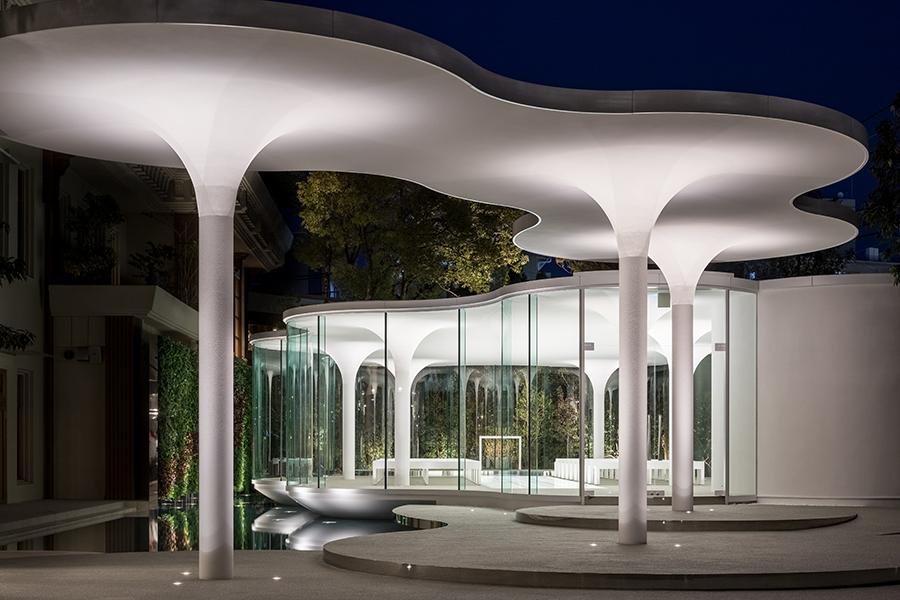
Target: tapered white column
<point>216,346</point>
<point>633,400</point>
<point>682,406</point>
<point>402,407</point>
<point>348,424</point>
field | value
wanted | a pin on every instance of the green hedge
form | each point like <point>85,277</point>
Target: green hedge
<point>178,438</point>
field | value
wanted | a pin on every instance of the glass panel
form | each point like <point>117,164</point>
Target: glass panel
<point>268,440</point>
<point>328,407</point>
<point>514,393</point>
<point>351,399</point>
<point>659,356</point>
<point>601,361</point>
<point>709,391</point>
<point>555,393</point>
<point>461,389</point>
<point>482,337</point>
<point>297,414</point>
<point>742,394</point>
<point>422,347</point>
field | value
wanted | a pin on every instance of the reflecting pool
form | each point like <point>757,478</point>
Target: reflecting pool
<point>262,526</point>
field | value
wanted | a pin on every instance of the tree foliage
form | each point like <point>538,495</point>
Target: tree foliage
<point>380,238</point>
<point>155,264</point>
<point>178,450</point>
<point>824,262</point>
<point>882,209</point>
<point>12,270</point>
<point>87,256</point>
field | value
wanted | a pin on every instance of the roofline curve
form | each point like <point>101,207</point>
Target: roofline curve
<point>266,335</point>
<point>815,206</point>
<point>582,279</point>
<point>323,22</point>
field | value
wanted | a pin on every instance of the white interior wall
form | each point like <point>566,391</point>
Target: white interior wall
<point>829,390</point>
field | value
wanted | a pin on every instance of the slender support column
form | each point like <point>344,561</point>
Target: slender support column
<point>348,423</point>
<point>402,404</point>
<point>633,400</point>
<point>216,253</point>
<point>682,407</point>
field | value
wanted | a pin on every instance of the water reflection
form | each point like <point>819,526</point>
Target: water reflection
<point>265,527</point>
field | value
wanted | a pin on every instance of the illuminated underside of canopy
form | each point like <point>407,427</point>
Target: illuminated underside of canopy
<point>219,99</point>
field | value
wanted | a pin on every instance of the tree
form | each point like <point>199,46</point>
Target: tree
<point>87,256</point>
<point>823,262</point>
<point>882,209</point>
<point>378,238</point>
<point>11,270</point>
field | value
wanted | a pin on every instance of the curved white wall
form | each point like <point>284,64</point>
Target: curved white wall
<point>829,390</point>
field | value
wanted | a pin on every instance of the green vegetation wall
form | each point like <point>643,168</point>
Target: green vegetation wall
<point>178,437</point>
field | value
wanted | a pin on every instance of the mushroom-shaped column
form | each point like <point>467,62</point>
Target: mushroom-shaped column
<point>683,249</point>
<point>405,333</point>
<point>215,205</point>
<point>633,201</point>
<point>349,357</point>
<point>682,281</point>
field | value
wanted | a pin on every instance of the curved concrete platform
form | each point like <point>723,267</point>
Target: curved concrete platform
<point>275,490</point>
<point>741,517</point>
<point>488,546</point>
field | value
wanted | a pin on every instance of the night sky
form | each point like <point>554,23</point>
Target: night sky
<point>845,55</point>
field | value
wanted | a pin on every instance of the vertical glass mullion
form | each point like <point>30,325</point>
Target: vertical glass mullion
<point>582,394</point>
<point>462,379</point>
<point>385,395</point>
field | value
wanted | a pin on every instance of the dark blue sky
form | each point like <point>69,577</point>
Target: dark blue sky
<point>845,55</point>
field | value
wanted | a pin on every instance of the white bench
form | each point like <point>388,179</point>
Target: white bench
<point>597,469</point>
<point>472,468</point>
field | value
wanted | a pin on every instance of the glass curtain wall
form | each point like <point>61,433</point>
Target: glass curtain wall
<point>422,349</point>
<point>484,442</point>
<point>488,397</point>
<point>298,406</point>
<point>268,417</point>
<point>555,399</point>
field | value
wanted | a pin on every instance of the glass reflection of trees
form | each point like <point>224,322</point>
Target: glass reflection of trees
<point>551,416</point>
<point>374,416</point>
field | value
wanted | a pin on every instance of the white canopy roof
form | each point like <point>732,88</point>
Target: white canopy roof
<point>222,86</point>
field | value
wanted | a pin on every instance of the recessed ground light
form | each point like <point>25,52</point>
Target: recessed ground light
<point>593,544</point>
<point>409,567</point>
<point>678,545</point>
<point>329,522</point>
<point>688,511</point>
<point>185,573</point>
<point>176,583</point>
<point>276,578</point>
<point>712,510</point>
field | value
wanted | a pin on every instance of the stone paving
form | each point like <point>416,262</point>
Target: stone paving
<point>151,576</point>
<point>489,546</point>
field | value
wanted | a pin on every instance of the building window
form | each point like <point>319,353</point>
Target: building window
<point>17,214</point>
<point>25,219</point>
<point>5,225</point>
<point>24,427</point>
<point>239,306</point>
